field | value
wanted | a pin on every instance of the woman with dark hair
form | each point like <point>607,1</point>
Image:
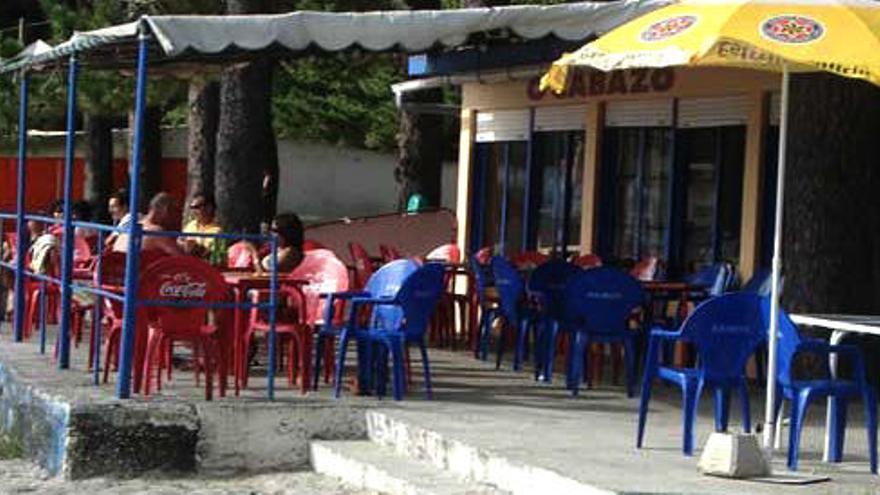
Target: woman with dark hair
<point>289,229</point>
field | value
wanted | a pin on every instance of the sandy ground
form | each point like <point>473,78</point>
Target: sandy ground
<point>19,476</point>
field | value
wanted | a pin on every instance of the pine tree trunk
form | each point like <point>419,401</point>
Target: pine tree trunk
<point>420,142</point>
<point>832,219</point>
<point>246,145</point>
<point>831,255</point>
<point>204,112</point>
<point>99,164</point>
<point>151,157</point>
<point>420,147</point>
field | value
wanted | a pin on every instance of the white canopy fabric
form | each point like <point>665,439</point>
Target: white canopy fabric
<point>207,38</point>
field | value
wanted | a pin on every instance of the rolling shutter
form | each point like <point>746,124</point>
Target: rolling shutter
<point>503,125</point>
<point>713,112</point>
<point>639,113</point>
<point>560,118</point>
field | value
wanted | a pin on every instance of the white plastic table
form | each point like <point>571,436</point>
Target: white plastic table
<point>841,326</point>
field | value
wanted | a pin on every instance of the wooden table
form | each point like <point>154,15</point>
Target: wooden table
<point>840,326</point>
<point>241,283</point>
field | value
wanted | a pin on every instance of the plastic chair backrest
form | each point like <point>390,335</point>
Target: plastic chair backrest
<point>484,255</point>
<point>587,261</point>
<point>448,253</point>
<point>385,283</point>
<point>646,269</point>
<point>178,279</point>
<point>113,266</point>
<point>602,299</point>
<point>550,280</point>
<point>726,331</point>
<point>363,265</point>
<point>509,286</point>
<point>310,245</point>
<point>418,297</point>
<point>81,249</point>
<point>787,344</point>
<point>483,278</point>
<point>325,274</point>
<point>712,278</point>
<point>389,253</point>
<point>528,260</point>
<point>239,256</point>
<point>759,283</point>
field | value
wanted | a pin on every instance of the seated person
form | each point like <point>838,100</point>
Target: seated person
<point>117,206</point>
<point>203,222</point>
<point>289,229</point>
<point>159,218</point>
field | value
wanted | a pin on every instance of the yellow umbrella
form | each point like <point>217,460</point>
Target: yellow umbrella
<point>837,36</point>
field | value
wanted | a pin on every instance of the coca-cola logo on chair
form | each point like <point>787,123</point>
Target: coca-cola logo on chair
<point>183,286</point>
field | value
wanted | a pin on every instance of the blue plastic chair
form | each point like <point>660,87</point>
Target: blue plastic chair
<point>714,280</point>
<point>547,285</point>
<point>413,306</point>
<point>803,391</point>
<point>483,279</point>
<point>383,284</point>
<point>598,305</point>
<point>725,331</point>
<point>514,309</point>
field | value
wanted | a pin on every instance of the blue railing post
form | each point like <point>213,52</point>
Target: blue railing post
<point>273,307</point>
<point>20,224</point>
<point>68,241</point>
<point>123,383</point>
<point>97,316</point>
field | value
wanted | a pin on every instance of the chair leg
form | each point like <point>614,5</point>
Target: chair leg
<point>643,409</point>
<point>576,355</point>
<point>522,336</point>
<point>426,367</point>
<point>722,408</point>
<point>744,403</point>
<point>397,370</point>
<point>319,350</point>
<point>552,330</point>
<point>629,357</point>
<point>798,412</point>
<point>340,363</point>
<point>838,427</point>
<point>499,350</point>
<point>690,400</point>
<point>870,400</point>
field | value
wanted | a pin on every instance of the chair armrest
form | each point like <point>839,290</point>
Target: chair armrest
<point>345,295</point>
<point>664,333</point>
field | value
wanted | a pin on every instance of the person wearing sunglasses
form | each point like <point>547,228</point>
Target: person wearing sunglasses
<point>203,222</point>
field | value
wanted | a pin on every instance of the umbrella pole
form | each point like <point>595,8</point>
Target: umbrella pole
<point>770,419</point>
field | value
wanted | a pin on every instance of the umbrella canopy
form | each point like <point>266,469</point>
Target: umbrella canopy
<point>837,36</point>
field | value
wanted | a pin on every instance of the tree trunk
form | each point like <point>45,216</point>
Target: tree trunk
<point>246,146</point>
<point>420,147</point>
<point>99,164</point>
<point>420,142</point>
<point>831,241</point>
<point>151,157</point>
<point>204,112</point>
<point>832,220</point>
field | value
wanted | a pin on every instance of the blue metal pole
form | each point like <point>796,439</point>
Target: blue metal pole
<point>21,225</point>
<point>505,192</point>
<point>67,246</point>
<point>273,307</point>
<point>123,383</point>
<point>96,312</point>
<point>528,221</point>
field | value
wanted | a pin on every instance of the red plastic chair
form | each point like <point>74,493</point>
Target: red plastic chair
<point>528,260</point>
<point>239,256</point>
<point>587,261</point>
<point>186,279</point>
<point>442,329</point>
<point>311,245</point>
<point>363,265</point>
<point>303,314</point>
<point>389,253</point>
<point>113,278</point>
